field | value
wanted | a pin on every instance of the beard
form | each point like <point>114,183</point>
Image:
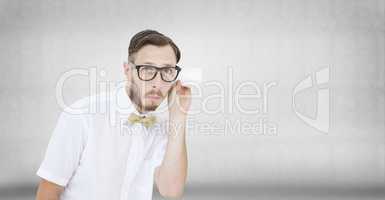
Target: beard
<point>135,96</point>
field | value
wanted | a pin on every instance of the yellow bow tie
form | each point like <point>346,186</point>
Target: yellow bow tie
<point>147,121</point>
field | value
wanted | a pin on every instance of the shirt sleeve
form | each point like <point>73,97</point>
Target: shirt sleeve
<point>64,150</point>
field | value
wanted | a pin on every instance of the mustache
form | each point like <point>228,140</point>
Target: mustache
<point>153,92</point>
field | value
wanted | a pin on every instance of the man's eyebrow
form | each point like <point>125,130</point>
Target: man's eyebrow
<point>149,63</point>
<point>164,65</point>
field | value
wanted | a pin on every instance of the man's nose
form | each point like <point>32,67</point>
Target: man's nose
<point>157,81</point>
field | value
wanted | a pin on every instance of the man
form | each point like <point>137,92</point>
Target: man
<point>89,159</point>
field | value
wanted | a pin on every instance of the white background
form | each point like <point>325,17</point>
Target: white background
<point>263,41</point>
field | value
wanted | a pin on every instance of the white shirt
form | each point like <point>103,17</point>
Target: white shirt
<point>100,155</point>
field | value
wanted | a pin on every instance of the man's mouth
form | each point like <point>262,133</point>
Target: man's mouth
<point>154,97</point>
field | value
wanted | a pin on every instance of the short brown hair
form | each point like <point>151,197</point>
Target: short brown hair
<point>151,37</point>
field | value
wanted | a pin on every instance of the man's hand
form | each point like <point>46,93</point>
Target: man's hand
<point>179,100</point>
<point>48,191</point>
<point>171,175</point>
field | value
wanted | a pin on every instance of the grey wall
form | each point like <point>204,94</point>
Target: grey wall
<point>261,41</point>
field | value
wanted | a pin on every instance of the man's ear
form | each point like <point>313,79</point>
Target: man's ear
<point>127,70</point>
<point>126,67</point>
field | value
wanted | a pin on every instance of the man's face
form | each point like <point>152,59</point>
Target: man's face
<point>148,95</point>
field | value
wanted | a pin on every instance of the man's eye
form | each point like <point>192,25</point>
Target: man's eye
<point>168,70</point>
<point>147,69</point>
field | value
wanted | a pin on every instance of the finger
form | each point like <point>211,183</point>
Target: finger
<point>173,87</point>
<point>185,88</point>
<point>188,90</point>
<point>178,86</point>
<point>187,93</point>
<point>172,94</point>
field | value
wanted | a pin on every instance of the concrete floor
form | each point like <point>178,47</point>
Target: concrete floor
<point>220,197</point>
<point>245,193</point>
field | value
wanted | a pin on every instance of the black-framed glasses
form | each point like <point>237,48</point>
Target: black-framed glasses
<point>149,72</point>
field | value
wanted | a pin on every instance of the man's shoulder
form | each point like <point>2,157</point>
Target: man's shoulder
<point>91,104</point>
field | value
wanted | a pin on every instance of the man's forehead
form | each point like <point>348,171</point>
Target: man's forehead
<point>155,55</point>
